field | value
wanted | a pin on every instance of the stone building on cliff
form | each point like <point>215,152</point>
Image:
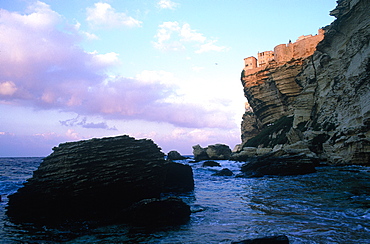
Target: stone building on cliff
<point>303,47</point>
<point>313,96</point>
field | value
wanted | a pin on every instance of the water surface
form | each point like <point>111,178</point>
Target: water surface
<point>330,206</point>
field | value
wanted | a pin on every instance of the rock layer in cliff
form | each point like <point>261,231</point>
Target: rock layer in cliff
<point>325,91</point>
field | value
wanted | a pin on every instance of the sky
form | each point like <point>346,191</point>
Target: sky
<point>167,70</point>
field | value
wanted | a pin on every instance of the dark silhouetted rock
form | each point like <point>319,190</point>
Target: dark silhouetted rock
<point>284,165</point>
<point>170,211</point>
<point>224,172</point>
<point>280,239</point>
<point>211,164</point>
<point>93,180</point>
<point>179,178</point>
<point>174,155</point>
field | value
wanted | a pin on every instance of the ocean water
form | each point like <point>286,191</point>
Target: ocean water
<point>330,206</point>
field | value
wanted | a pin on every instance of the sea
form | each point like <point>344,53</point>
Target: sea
<point>329,206</point>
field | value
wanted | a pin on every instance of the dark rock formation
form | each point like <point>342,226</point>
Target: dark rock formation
<point>215,152</point>
<point>154,212</point>
<point>200,153</point>
<point>93,180</point>
<point>281,166</point>
<point>174,155</point>
<point>179,178</point>
<point>223,172</point>
<point>250,126</point>
<point>280,239</point>
<point>326,93</point>
<point>211,164</point>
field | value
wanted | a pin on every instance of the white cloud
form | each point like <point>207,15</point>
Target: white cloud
<point>191,35</point>
<point>106,60</point>
<point>167,4</point>
<point>163,36</point>
<point>210,46</point>
<point>90,36</point>
<point>41,17</point>
<point>103,15</point>
<point>174,36</point>
<point>7,88</point>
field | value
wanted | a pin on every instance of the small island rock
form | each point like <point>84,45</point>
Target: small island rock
<point>94,180</point>
<point>174,155</point>
<point>211,164</point>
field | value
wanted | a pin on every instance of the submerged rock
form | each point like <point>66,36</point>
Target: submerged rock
<point>211,164</point>
<point>93,180</point>
<point>279,239</point>
<point>280,166</point>
<point>223,172</point>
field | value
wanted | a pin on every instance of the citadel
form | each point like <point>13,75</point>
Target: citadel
<point>304,46</point>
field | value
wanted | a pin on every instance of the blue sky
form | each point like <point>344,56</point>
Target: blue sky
<point>159,69</point>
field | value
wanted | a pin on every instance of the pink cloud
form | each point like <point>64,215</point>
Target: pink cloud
<point>42,66</point>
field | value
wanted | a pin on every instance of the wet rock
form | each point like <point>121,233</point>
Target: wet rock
<point>154,212</point>
<point>174,155</point>
<point>179,178</point>
<point>279,239</point>
<point>280,166</point>
<point>93,180</point>
<point>223,172</point>
<point>211,164</point>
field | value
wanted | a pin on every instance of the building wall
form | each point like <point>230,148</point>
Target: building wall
<point>302,48</point>
<point>250,63</point>
<point>265,57</point>
<point>283,52</point>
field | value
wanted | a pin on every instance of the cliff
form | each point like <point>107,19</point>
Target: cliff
<point>314,96</point>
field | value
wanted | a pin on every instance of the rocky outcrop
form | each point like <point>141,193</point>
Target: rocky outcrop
<point>211,164</point>
<point>278,239</point>
<point>297,164</point>
<point>326,94</point>
<point>179,178</point>
<point>223,172</point>
<point>215,152</point>
<point>174,155</point>
<point>96,180</point>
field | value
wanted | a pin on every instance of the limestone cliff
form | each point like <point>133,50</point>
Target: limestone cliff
<point>318,98</point>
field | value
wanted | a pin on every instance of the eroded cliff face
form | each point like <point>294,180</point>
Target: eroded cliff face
<point>327,94</point>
